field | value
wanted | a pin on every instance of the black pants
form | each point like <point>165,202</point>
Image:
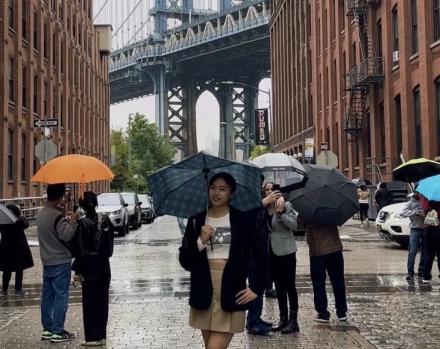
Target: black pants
<point>333,264</point>
<point>363,212</point>
<point>432,249</point>
<point>95,299</point>
<point>283,270</point>
<point>7,278</point>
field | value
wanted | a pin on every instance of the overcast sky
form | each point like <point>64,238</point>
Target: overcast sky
<point>207,114</point>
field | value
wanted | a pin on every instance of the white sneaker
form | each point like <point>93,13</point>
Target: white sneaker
<point>424,281</point>
<point>92,344</point>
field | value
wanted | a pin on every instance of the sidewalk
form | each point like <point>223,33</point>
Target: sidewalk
<point>148,307</point>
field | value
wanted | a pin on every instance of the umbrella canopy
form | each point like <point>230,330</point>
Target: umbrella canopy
<point>328,198</point>
<point>280,168</point>
<point>430,188</point>
<point>6,216</point>
<point>73,168</point>
<point>416,169</point>
<point>181,189</point>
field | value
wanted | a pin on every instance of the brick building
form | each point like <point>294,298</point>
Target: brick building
<point>379,96</point>
<point>53,65</point>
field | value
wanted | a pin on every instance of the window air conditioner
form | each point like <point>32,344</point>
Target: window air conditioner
<point>396,57</point>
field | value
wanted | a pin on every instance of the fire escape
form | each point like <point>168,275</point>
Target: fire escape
<point>368,73</point>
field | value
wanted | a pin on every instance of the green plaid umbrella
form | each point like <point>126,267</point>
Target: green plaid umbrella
<point>181,189</point>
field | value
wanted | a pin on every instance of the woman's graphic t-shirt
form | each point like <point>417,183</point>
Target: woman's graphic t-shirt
<point>221,240</point>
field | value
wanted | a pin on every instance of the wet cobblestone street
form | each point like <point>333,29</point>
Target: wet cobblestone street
<point>149,300</point>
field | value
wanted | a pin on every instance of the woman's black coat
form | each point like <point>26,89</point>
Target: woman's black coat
<point>245,242</point>
<point>15,253</point>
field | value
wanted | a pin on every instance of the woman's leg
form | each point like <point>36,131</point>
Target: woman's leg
<point>290,276</point>
<point>6,278</point>
<point>205,335</point>
<point>219,340</point>
<point>18,280</point>
<point>278,278</point>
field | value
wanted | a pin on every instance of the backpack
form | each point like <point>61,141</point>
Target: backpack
<point>431,218</point>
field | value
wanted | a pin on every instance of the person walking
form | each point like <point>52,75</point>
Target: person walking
<point>216,248</point>
<point>281,220</point>
<point>15,254</point>
<point>414,212</point>
<point>363,197</point>
<point>325,251</point>
<point>383,196</point>
<point>54,231</point>
<point>95,235</point>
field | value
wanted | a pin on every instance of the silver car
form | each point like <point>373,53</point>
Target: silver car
<point>147,208</point>
<point>115,207</point>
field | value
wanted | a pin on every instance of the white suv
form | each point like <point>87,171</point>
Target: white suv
<point>392,226</point>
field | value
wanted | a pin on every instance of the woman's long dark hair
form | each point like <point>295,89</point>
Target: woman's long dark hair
<point>263,190</point>
<point>89,204</point>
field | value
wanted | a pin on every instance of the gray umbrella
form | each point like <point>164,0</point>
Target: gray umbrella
<point>328,197</point>
<point>6,216</point>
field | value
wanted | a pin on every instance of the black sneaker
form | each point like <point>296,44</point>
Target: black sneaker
<point>410,277</point>
<point>46,336</point>
<point>62,337</point>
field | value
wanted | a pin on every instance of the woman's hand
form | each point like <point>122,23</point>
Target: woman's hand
<point>245,296</point>
<point>272,198</point>
<point>279,205</point>
<point>206,233</point>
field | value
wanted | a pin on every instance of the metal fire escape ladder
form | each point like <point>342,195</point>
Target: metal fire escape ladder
<point>368,73</point>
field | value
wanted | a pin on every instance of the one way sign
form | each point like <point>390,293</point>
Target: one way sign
<point>46,123</point>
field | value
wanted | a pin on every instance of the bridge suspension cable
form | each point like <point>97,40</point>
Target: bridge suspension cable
<point>100,10</point>
<point>127,18</point>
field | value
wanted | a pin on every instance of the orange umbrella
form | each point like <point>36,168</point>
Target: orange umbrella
<point>73,168</point>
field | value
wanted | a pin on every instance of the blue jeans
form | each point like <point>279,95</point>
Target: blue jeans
<point>416,240</point>
<point>254,313</point>
<point>333,264</point>
<point>55,297</point>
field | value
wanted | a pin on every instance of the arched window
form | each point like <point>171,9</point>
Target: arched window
<point>417,123</point>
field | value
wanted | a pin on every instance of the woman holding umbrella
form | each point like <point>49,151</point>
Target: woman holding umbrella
<point>216,249</point>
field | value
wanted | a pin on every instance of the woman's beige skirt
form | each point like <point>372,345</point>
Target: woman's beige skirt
<point>215,318</point>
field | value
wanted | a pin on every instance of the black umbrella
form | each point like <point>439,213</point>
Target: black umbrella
<point>6,216</point>
<point>328,198</point>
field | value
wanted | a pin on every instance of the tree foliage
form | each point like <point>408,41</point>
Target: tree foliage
<point>260,150</point>
<point>149,152</point>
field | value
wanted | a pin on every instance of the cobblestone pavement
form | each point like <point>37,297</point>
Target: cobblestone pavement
<point>149,300</point>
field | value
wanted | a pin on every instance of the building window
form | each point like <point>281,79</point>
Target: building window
<point>11,14</point>
<point>368,131</point>
<point>437,102</point>
<point>353,56</point>
<point>46,96</point>
<point>414,34</point>
<point>54,50</point>
<point>54,104</point>
<point>11,79</point>
<point>24,87</point>
<point>10,154</point>
<point>383,152</point>
<point>36,94</point>
<point>34,161</point>
<point>24,19</point>
<point>395,31</point>
<point>379,38</point>
<point>417,123</point>
<point>46,41</point>
<point>398,115</point>
<point>36,30</point>
<point>436,19</point>
<point>23,157</point>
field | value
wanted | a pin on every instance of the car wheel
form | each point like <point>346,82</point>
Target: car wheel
<point>122,231</point>
<point>135,224</point>
<point>139,221</point>
<point>127,228</point>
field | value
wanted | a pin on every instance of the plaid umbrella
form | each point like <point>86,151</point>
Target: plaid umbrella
<point>181,189</point>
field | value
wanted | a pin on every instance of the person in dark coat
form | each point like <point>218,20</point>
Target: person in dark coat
<point>93,266</point>
<point>383,196</point>
<point>15,254</point>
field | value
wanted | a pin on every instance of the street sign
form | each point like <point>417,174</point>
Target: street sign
<point>261,127</point>
<point>46,152</point>
<point>327,158</point>
<point>324,146</point>
<point>46,123</point>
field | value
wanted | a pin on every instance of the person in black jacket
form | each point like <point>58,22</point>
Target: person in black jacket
<point>95,235</point>
<point>383,196</point>
<point>15,254</point>
<point>216,249</point>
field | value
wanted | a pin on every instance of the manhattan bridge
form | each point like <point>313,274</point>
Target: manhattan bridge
<point>178,49</point>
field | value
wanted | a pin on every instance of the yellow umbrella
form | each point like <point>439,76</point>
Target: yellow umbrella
<point>73,168</point>
<point>415,170</point>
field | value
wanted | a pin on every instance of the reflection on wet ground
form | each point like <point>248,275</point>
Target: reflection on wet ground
<point>144,289</point>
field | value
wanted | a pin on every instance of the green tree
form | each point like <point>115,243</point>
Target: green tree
<point>149,152</point>
<point>260,150</point>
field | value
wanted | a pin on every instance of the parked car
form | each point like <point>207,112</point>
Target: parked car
<point>147,208</point>
<point>114,206</point>
<point>134,209</point>
<point>392,226</point>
